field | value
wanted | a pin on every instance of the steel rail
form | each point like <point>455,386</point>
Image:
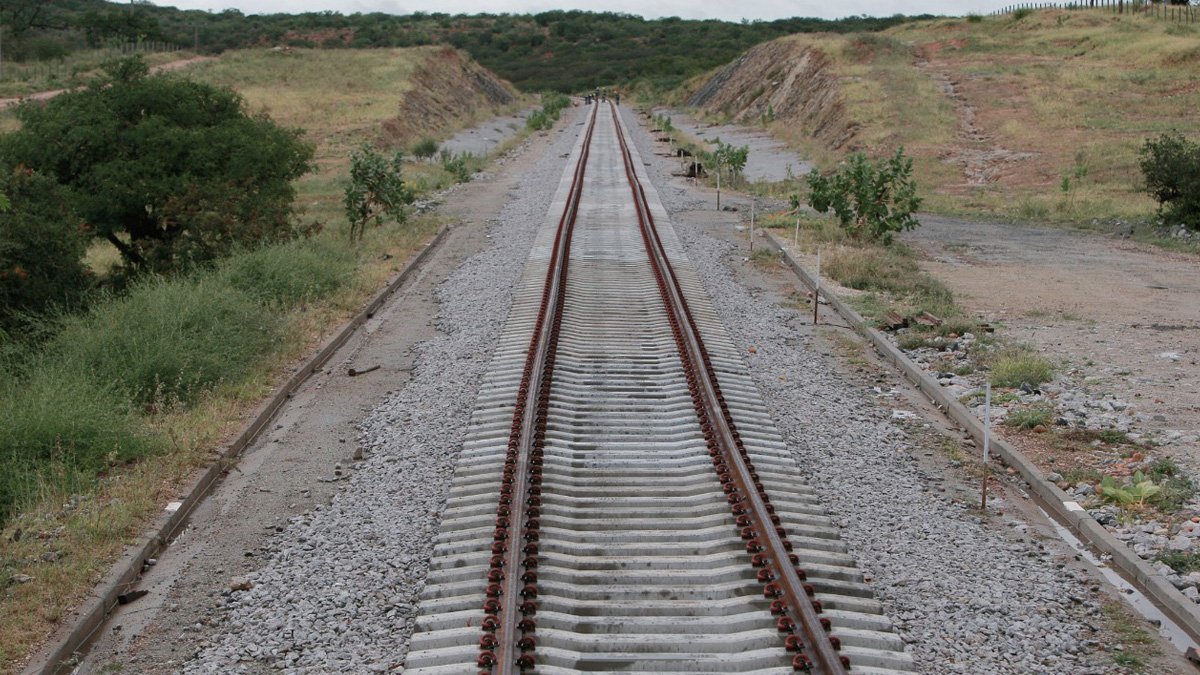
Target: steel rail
<point>766,540</point>
<point>506,646</point>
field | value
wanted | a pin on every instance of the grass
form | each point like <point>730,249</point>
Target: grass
<point>1130,632</point>
<point>1014,366</point>
<point>73,70</point>
<point>1030,417</point>
<point>130,398</point>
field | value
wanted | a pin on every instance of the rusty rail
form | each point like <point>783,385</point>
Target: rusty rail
<point>507,642</point>
<point>766,540</point>
<point>510,604</point>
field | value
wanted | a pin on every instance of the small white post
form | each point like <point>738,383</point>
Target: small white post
<point>817,287</point>
<point>796,236</point>
<point>987,439</point>
<point>753,204</point>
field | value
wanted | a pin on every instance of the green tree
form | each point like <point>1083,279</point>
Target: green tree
<point>872,200</point>
<point>42,244</point>
<point>169,171</point>
<point>376,190</point>
<point>1171,166</point>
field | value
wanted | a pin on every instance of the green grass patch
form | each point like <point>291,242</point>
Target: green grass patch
<point>166,342</point>
<point>293,273</point>
<point>59,426</point>
<point>1030,417</point>
<point>1176,487</point>
<point>1013,366</point>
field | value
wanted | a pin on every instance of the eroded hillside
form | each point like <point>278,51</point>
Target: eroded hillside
<point>1033,117</point>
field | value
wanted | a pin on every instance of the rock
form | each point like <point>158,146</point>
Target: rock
<point>1180,543</point>
<point>21,578</point>
<point>1054,477</point>
<point>1039,429</point>
<point>238,584</point>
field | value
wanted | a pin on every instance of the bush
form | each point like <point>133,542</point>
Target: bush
<point>871,201</point>
<point>376,190</point>
<point>168,341</point>
<point>1171,165</point>
<point>42,244</point>
<point>60,426</point>
<point>552,106</point>
<point>289,274</point>
<point>169,171</point>
<point>425,148</point>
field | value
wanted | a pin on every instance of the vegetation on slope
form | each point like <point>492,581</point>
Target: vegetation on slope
<point>1040,117</point>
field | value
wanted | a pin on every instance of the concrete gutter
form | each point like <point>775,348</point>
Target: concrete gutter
<point>61,653</point>
<point>1054,501</point>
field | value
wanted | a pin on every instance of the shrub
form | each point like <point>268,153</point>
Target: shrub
<point>1171,166</point>
<point>1022,13</point>
<point>544,118</point>
<point>168,341</point>
<point>871,201</point>
<point>60,426</point>
<point>42,244</point>
<point>425,148</point>
<point>462,166</point>
<point>169,171</point>
<point>289,274</point>
<point>376,190</point>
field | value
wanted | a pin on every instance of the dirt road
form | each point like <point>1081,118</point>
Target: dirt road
<point>1122,317</point>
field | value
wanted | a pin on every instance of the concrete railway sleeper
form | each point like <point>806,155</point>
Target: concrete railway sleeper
<point>649,517</point>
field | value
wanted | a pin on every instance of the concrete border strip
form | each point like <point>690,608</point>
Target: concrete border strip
<point>1053,500</point>
<point>93,612</point>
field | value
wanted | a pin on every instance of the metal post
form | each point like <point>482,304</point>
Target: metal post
<point>718,187</point>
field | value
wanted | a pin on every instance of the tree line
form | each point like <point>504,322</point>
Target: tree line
<point>558,50</point>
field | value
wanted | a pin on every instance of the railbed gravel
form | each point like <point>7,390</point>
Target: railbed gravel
<point>966,598</point>
<point>339,590</point>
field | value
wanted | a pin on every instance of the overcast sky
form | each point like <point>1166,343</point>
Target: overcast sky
<point>687,9</point>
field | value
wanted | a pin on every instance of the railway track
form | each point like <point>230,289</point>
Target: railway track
<point>622,503</point>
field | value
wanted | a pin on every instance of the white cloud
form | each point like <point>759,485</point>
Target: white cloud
<point>687,9</point>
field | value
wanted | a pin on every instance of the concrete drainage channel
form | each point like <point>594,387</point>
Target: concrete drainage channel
<point>1072,518</point>
<point>639,564</point>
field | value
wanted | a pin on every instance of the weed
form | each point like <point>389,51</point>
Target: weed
<point>1132,494</point>
<point>1180,561</point>
<point>1028,418</point>
<point>1022,13</point>
<point>964,369</point>
<point>765,257</point>
<point>425,148</point>
<point>1177,488</point>
<point>1015,366</point>
<point>974,18</point>
<point>913,340</point>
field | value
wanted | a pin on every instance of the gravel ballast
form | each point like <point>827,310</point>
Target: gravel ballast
<point>339,589</point>
<point>966,598</point>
